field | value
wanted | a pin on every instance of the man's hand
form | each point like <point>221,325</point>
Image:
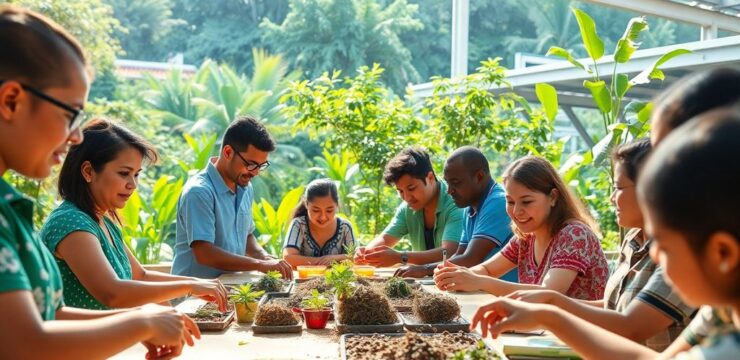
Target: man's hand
<point>279,265</point>
<point>382,256</point>
<point>359,256</point>
<point>414,271</point>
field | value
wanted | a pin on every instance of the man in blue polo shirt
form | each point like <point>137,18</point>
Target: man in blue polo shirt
<point>486,226</point>
<point>214,212</point>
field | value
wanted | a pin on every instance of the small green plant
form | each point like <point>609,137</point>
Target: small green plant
<point>316,301</point>
<point>245,295</point>
<point>341,278</point>
<point>479,352</point>
<point>397,288</point>
<point>350,249</point>
<point>270,282</point>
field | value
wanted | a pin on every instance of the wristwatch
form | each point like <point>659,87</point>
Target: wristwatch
<point>404,257</point>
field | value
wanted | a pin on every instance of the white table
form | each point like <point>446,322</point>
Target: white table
<point>238,342</point>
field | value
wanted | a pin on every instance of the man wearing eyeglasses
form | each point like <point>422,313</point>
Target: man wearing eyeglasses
<point>214,212</point>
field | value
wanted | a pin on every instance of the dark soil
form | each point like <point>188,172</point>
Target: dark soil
<point>274,315</point>
<point>435,308</point>
<point>410,346</point>
<point>303,290</point>
<point>366,307</point>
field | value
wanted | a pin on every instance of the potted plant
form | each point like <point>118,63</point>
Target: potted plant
<point>245,301</point>
<point>315,310</point>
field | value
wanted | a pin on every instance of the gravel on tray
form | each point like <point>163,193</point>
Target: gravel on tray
<point>441,346</point>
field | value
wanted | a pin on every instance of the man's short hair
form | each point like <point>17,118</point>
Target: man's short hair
<point>413,161</point>
<point>245,131</point>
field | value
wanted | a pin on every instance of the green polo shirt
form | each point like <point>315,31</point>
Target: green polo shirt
<point>25,263</point>
<point>409,223</point>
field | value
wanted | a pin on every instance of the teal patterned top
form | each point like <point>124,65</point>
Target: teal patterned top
<point>68,218</point>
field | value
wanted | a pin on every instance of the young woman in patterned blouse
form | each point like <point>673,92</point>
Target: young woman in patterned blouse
<point>554,245</point>
<point>317,235</point>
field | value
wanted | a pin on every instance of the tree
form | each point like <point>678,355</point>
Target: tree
<point>144,24</point>
<point>319,36</point>
<point>225,30</point>
<point>90,21</point>
<point>365,119</point>
<point>554,27</point>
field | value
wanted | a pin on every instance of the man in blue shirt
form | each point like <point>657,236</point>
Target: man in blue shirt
<point>486,225</point>
<point>214,212</point>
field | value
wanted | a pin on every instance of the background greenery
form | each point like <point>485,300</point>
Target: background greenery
<point>329,79</point>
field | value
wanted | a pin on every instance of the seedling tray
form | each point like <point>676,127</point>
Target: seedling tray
<point>412,323</point>
<point>282,329</point>
<point>213,325</point>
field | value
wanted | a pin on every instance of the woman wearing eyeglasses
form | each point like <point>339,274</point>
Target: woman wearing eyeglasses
<point>43,87</point>
<point>83,232</point>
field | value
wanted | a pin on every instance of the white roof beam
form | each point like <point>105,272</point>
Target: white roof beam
<point>679,12</point>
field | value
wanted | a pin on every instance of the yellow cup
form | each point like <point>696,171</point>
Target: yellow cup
<point>364,270</point>
<point>307,271</point>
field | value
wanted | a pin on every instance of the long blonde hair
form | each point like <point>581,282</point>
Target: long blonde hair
<point>539,175</point>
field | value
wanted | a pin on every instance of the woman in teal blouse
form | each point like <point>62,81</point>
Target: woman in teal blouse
<point>99,271</point>
<point>43,88</point>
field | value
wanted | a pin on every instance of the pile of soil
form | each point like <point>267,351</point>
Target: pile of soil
<point>366,307</point>
<point>272,314</point>
<point>435,308</point>
<point>208,313</point>
<point>409,346</point>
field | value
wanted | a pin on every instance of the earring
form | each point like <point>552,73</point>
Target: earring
<point>724,267</point>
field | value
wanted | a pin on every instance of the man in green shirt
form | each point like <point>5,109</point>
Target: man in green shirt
<point>428,216</point>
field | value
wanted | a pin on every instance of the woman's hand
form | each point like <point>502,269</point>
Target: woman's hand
<point>168,326</point>
<point>448,276</point>
<point>535,296</point>
<point>504,314</point>
<point>210,290</point>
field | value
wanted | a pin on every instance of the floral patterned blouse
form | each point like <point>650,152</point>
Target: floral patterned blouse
<point>575,247</point>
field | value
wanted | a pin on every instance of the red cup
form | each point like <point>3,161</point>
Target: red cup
<point>316,319</point>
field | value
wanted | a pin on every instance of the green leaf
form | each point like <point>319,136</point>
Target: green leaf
<point>591,41</point>
<point>289,202</point>
<point>548,97</point>
<point>565,54</point>
<point>653,72</point>
<point>644,114</point>
<point>130,212</point>
<point>627,45</point>
<point>600,95</point>
<point>623,85</point>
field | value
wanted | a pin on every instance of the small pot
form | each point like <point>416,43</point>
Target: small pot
<point>316,319</point>
<point>245,312</point>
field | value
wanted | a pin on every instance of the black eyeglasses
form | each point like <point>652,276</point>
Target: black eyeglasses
<point>78,116</point>
<point>251,165</point>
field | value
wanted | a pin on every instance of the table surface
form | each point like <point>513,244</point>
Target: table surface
<point>238,342</point>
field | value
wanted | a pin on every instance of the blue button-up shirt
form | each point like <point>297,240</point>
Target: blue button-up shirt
<point>208,210</point>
